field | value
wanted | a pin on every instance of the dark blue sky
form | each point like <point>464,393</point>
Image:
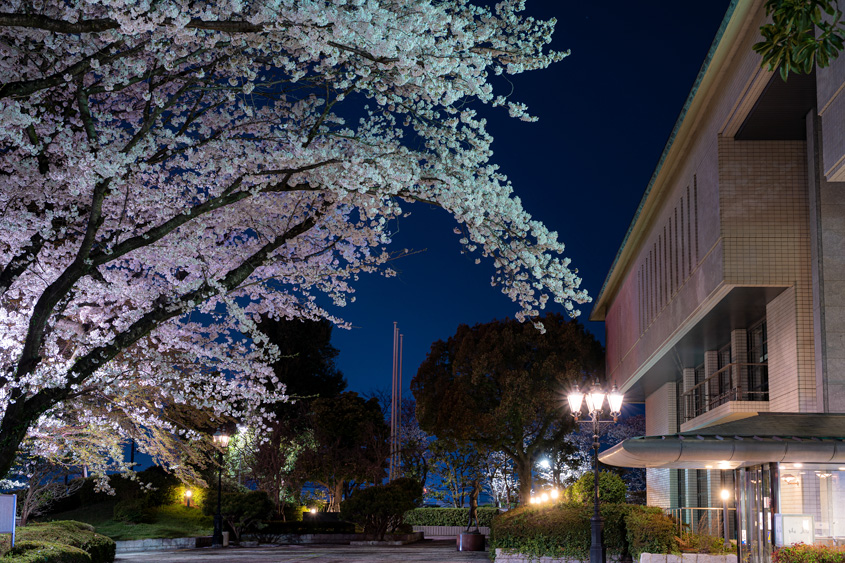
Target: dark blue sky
<point>605,114</point>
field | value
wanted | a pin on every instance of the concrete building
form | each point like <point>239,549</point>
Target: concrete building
<point>725,306</point>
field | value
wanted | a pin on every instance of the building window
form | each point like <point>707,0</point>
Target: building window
<point>758,359</point>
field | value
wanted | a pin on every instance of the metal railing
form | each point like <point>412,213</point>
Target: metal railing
<point>714,391</point>
<point>703,520</point>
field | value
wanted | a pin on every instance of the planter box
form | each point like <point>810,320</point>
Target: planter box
<point>452,531</point>
<point>510,557</point>
<point>160,544</point>
<point>687,558</point>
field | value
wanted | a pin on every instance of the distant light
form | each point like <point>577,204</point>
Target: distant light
<point>544,497</point>
<point>798,465</point>
<point>313,511</point>
<point>726,494</point>
<point>708,467</point>
<point>554,493</point>
<point>188,493</point>
<point>533,500</point>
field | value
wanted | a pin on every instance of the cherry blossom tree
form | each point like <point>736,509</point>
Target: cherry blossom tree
<point>173,170</point>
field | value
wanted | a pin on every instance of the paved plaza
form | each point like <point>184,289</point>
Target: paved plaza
<point>429,551</point>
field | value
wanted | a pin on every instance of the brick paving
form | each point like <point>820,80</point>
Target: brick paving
<point>428,551</point>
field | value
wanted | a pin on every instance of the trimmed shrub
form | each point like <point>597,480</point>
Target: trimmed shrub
<point>71,533</point>
<point>133,511</point>
<point>562,530</point>
<point>380,509</point>
<point>612,488</point>
<point>802,553</point>
<point>651,531</point>
<point>45,552</point>
<point>448,516</point>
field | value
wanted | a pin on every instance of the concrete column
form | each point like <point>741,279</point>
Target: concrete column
<point>685,408</point>
<point>739,353</point>
<point>711,366</point>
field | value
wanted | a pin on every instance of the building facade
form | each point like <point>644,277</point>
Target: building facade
<point>725,306</point>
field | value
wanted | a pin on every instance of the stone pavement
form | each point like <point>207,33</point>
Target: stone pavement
<point>426,551</point>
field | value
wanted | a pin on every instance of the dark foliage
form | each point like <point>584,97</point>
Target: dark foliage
<point>380,509</point>
<point>500,386</point>
<point>242,511</point>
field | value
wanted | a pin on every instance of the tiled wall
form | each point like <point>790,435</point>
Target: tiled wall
<point>661,418</point>
<point>765,218</point>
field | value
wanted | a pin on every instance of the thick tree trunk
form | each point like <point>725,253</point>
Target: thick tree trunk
<point>523,471</point>
<point>337,494</point>
<point>13,428</point>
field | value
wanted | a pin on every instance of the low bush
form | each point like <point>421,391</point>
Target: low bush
<point>133,511</point>
<point>380,509</point>
<point>563,530</point>
<point>802,553</point>
<point>612,488</point>
<point>650,531</point>
<point>70,533</point>
<point>45,552</point>
<point>703,543</point>
<point>448,516</point>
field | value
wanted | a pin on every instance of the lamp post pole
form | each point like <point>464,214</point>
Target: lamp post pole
<point>597,551</point>
<point>220,439</point>
<point>725,496</point>
<point>595,400</point>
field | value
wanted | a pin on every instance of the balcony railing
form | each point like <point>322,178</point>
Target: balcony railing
<point>717,390</point>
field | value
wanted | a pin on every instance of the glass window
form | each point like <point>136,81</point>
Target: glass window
<point>811,504</point>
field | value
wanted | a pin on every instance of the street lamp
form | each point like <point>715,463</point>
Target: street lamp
<point>726,494</point>
<point>221,440</point>
<point>594,399</point>
<point>188,494</point>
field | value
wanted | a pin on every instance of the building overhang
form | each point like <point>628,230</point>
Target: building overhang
<point>765,438</point>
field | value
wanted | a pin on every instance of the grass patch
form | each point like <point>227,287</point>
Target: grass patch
<point>171,521</point>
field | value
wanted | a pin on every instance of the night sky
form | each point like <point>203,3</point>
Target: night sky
<point>605,113</point>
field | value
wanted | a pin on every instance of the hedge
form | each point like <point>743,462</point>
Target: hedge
<point>69,533</point>
<point>45,552</point>
<point>563,530</point>
<point>448,516</point>
<point>802,553</point>
<point>278,527</point>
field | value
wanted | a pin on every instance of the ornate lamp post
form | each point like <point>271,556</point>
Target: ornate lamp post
<point>595,401</point>
<point>221,440</point>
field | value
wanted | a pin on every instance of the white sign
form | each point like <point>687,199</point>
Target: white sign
<point>794,528</point>
<point>8,510</point>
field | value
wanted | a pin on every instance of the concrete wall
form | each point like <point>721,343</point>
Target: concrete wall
<point>830,96</point>
<point>827,236</point>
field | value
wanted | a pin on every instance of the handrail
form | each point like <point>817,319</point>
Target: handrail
<point>722,370</point>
